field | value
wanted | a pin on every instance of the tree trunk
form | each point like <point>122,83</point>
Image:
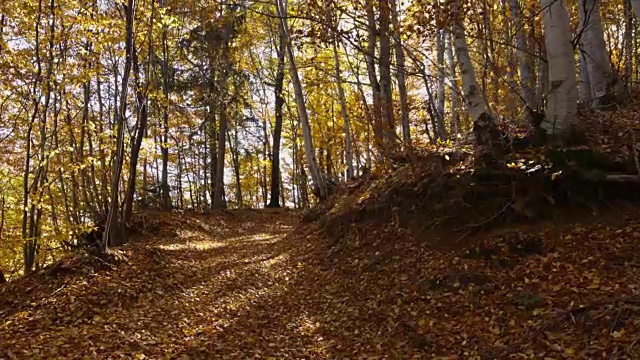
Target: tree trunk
<point>345,114</point>
<point>372,39</point>
<point>385,76</point>
<point>525,61</point>
<point>164,184</point>
<point>542,89</point>
<point>28,242</point>
<point>110,232</point>
<point>441,130</point>
<point>141,127</point>
<point>606,88</point>
<point>585,95</point>
<point>277,131</point>
<point>563,98</point>
<point>312,163</point>
<point>455,118</point>
<point>484,128</point>
<point>236,165</point>
<point>628,45</point>
<point>218,195</point>
<point>400,74</point>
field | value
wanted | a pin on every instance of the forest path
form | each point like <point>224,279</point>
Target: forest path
<point>204,287</point>
<point>256,285</point>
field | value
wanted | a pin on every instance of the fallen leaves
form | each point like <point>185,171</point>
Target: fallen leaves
<point>219,290</point>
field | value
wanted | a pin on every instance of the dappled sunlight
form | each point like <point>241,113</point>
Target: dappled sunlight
<point>195,240</point>
<point>263,238</point>
<point>192,245</point>
<point>306,325</point>
<point>231,290</point>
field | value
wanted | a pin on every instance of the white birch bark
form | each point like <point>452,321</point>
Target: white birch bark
<point>483,124</point>
<point>310,153</point>
<point>474,100</point>
<point>455,119</point>
<point>563,97</point>
<point>605,86</point>
<point>584,90</point>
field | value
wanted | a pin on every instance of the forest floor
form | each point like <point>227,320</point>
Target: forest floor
<point>261,284</point>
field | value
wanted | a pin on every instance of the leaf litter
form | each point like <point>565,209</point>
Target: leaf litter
<point>258,284</point>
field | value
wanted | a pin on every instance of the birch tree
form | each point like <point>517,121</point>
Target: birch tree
<point>563,97</point>
<point>605,86</point>
<point>484,129</point>
<point>310,152</point>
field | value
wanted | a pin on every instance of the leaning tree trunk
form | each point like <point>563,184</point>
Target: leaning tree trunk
<point>312,163</point>
<point>606,87</point>
<point>484,128</point>
<point>563,97</point>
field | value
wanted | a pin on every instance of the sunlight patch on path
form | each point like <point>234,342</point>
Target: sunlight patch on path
<point>263,238</point>
<point>193,245</point>
<point>205,242</point>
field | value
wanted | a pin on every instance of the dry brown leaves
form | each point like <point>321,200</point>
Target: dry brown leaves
<point>235,286</point>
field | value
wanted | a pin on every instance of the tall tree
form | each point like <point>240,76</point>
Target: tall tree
<point>312,163</point>
<point>372,40</point>
<point>606,87</point>
<point>401,74</point>
<point>563,98</point>
<point>277,131</point>
<point>440,49</point>
<point>386,93</point>
<point>484,129</point>
<point>525,60</point>
<point>227,34</point>
<point>112,224</point>
<point>345,113</point>
<point>164,146</point>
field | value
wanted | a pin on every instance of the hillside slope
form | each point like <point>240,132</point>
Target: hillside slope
<point>259,284</point>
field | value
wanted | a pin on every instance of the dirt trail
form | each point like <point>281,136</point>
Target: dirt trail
<point>251,284</point>
<point>235,285</point>
<point>211,287</point>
